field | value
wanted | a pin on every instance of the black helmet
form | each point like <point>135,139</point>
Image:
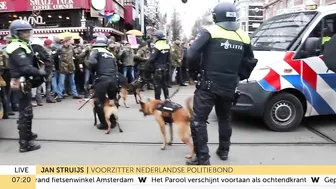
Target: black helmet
<point>19,25</point>
<point>159,34</point>
<point>225,15</point>
<point>101,41</point>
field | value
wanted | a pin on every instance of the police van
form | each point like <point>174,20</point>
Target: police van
<point>291,80</point>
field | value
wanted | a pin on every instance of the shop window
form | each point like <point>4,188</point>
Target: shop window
<point>46,19</point>
<point>255,11</point>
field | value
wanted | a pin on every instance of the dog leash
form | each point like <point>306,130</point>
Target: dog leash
<point>87,101</point>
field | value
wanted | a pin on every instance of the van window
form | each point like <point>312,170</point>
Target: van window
<point>279,32</point>
<point>322,31</point>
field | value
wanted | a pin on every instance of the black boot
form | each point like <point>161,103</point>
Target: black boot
<point>27,146</point>
<point>32,136</point>
<point>223,150</point>
<point>200,138</point>
<point>194,161</point>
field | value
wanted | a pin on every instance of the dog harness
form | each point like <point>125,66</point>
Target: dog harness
<point>168,107</point>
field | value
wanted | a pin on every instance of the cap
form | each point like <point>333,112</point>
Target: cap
<point>48,42</point>
<point>66,39</point>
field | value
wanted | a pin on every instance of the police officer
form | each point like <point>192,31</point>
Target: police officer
<point>102,64</point>
<point>223,47</point>
<point>20,63</point>
<point>159,62</point>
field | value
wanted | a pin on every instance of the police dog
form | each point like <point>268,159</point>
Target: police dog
<point>126,88</point>
<point>110,113</point>
<point>181,118</point>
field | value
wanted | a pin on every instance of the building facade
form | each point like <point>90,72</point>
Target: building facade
<point>155,21</point>
<point>250,14</point>
<point>277,7</point>
<point>51,17</point>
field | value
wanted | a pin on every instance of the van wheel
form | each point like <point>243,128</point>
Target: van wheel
<point>283,113</point>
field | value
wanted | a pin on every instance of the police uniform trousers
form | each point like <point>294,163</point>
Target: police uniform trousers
<point>25,113</point>
<point>161,82</point>
<point>204,100</point>
<point>105,85</point>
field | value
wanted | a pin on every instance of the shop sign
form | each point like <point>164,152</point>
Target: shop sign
<point>38,20</point>
<point>51,4</point>
<point>3,5</point>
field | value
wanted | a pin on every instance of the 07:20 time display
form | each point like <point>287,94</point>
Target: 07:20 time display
<point>21,179</point>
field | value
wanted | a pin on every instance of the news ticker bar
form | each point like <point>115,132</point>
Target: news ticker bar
<point>144,181</point>
<point>101,177</point>
<point>166,170</point>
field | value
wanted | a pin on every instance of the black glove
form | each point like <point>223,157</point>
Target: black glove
<point>42,72</point>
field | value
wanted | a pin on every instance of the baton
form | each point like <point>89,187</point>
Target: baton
<point>175,92</point>
<point>87,101</point>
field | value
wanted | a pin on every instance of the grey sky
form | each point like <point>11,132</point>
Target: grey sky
<point>189,11</point>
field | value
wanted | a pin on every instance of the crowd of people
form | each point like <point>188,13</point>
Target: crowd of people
<point>68,66</point>
<point>66,63</point>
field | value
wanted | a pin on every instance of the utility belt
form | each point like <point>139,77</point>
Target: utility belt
<point>161,69</point>
<point>20,84</point>
<point>205,84</point>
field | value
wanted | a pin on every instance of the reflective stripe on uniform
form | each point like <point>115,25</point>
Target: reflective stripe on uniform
<point>218,32</point>
<point>161,45</point>
<point>103,50</point>
<point>16,45</point>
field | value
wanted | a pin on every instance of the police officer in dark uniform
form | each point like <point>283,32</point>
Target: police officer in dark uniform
<point>223,47</point>
<point>20,63</point>
<point>102,64</point>
<point>159,63</point>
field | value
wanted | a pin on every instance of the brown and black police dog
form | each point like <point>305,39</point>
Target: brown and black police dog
<point>110,113</point>
<point>126,88</point>
<point>177,115</point>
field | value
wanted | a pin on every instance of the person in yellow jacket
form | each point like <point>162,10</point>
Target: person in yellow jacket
<point>159,63</point>
<point>223,47</point>
<point>23,73</point>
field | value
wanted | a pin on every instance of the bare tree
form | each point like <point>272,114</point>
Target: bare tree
<point>185,39</point>
<point>204,20</point>
<point>175,26</point>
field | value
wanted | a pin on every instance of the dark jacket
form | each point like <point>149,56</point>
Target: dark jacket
<point>102,62</point>
<point>222,54</point>
<point>20,59</point>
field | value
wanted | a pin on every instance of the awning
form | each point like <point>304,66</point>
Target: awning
<point>51,30</point>
<point>60,30</point>
<point>109,30</point>
<point>70,29</point>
